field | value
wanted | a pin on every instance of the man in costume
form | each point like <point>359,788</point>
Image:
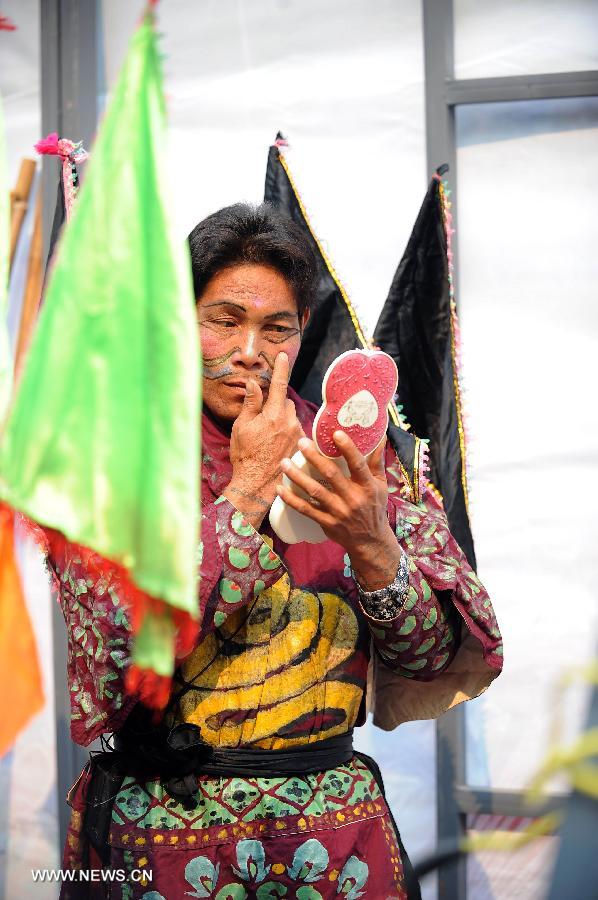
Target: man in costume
<point>248,786</point>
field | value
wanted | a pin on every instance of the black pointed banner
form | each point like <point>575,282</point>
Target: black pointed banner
<point>57,222</point>
<point>418,328</point>
<point>333,326</point>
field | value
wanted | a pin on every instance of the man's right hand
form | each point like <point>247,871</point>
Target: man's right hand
<point>263,434</point>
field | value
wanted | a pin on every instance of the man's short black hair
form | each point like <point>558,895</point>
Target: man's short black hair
<point>253,234</point>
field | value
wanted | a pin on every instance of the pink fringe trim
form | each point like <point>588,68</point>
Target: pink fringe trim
<point>70,154</point>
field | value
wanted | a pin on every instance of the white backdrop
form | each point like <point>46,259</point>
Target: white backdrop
<point>344,80</point>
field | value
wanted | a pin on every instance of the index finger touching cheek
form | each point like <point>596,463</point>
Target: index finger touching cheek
<point>280,380</point>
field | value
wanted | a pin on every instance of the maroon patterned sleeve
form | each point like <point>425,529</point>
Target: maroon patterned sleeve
<point>444,594</point>
<point>98,635</point>
<point>236,563</point>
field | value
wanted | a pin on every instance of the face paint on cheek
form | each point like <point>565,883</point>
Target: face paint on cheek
<point>213,367</point>
<point>268,359</point>
<point>292,352</point>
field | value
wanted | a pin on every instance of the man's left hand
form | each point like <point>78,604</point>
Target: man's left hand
<point>351,511</point>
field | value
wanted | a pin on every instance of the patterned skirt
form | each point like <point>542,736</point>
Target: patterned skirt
<point>309,836</point>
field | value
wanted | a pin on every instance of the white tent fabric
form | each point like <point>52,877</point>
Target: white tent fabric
<point>20,81</point>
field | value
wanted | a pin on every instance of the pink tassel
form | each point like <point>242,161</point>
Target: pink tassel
<point>48,145</point>
<point>63,147</point>
<point>6,24</point>
<point>70,154</point>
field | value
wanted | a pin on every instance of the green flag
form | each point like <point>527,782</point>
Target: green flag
<point>102,442</point>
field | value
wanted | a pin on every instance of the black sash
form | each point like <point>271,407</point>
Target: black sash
<point>178,756</point>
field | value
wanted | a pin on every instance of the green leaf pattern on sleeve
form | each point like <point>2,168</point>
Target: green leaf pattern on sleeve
<point>245,562</point>
<point>444,594</point>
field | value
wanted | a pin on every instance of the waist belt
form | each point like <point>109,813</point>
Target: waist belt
<point>178,756</point>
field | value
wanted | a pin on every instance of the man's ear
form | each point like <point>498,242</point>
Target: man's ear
<point>304,320</point>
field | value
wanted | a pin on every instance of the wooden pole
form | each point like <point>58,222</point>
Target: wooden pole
<point>33,287</point>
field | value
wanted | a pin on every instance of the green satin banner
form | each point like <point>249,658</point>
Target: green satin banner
<point>102,441</point>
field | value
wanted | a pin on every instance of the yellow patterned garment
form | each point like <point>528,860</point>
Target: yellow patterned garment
<point>281,678</point>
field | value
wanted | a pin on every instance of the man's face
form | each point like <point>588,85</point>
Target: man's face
<point>247,315</point>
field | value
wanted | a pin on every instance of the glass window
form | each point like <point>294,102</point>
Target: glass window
<point>513,38</point>
<point>494,874</point>
<point>528,231</point>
